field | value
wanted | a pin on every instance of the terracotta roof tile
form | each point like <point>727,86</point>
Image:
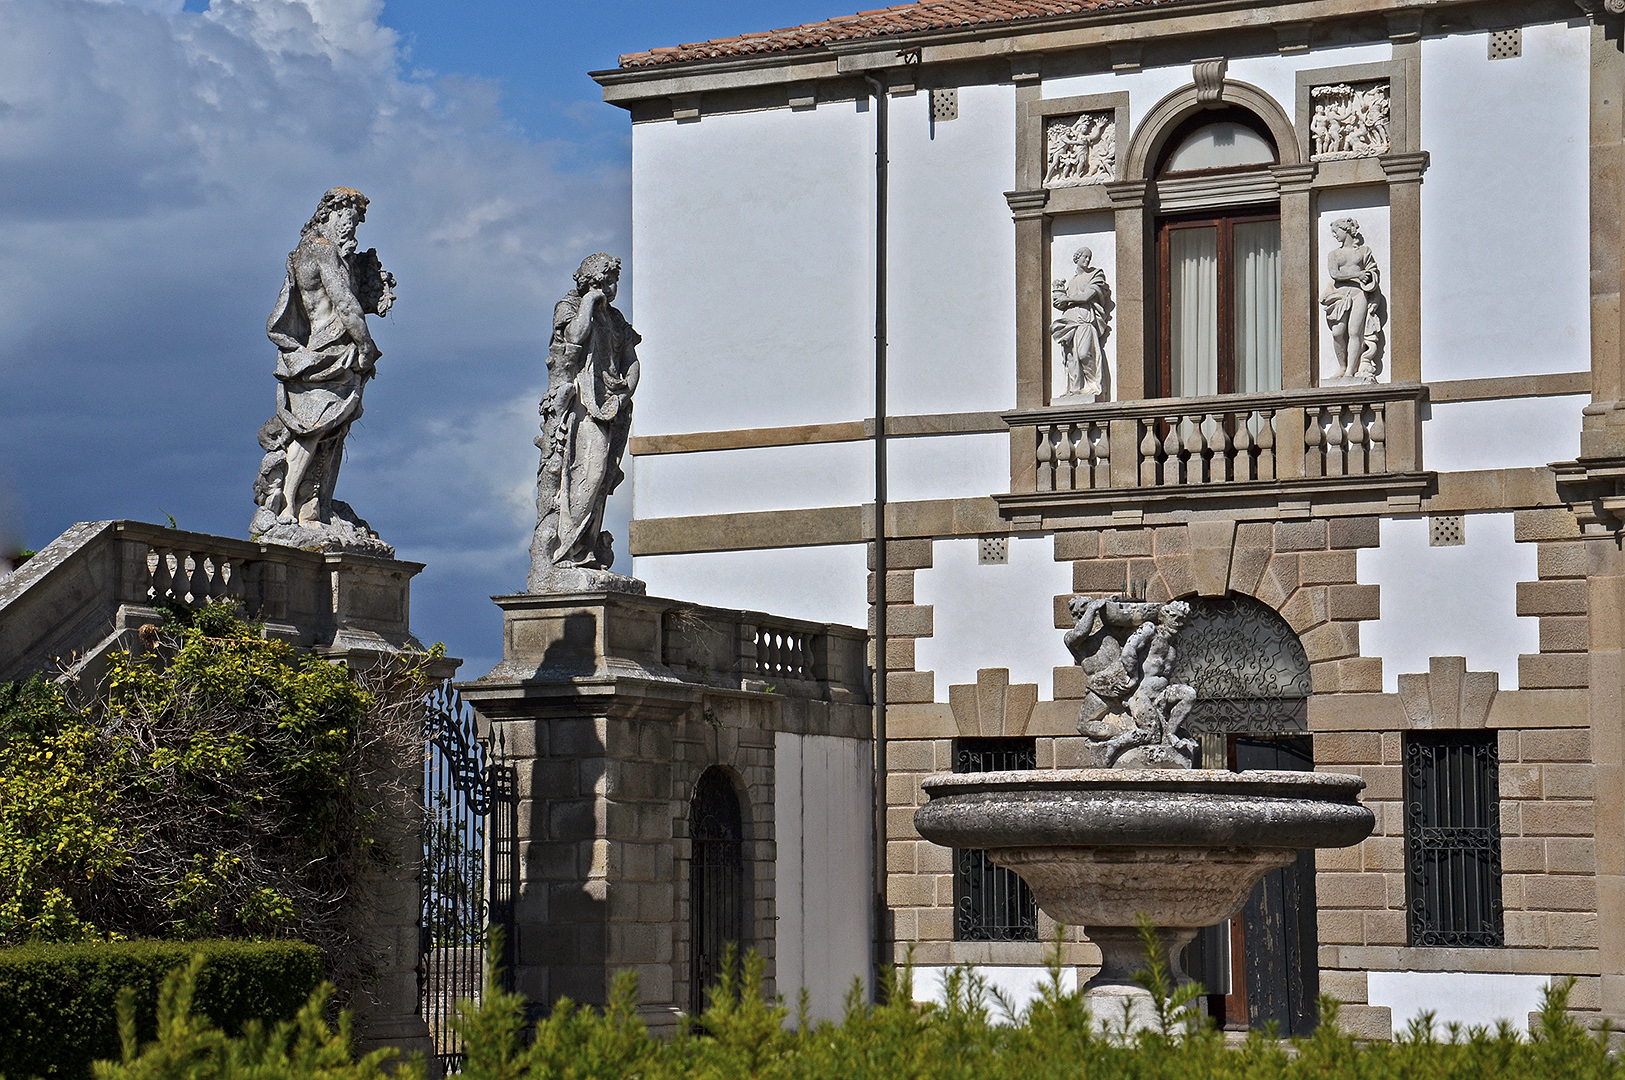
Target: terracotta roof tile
<point>881,22</point>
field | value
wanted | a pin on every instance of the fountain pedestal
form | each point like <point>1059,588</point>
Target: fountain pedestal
<point>1101,847</point>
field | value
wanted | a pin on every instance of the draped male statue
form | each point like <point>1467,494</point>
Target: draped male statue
<point>592,371</point>
<point>325,355</point>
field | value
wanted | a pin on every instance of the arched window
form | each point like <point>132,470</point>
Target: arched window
<point>1250,671</point>
<point>716,881</point>
<point>1220,268</point>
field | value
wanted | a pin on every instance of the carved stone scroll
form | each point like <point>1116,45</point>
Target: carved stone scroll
<point>1349,120</point>
<point>1080,150</point>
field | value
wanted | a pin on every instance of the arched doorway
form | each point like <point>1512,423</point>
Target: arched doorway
<point>716,881</point>
<point>1252,687</point>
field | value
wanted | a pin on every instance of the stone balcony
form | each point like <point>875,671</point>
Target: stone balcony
<point>1336,443</point>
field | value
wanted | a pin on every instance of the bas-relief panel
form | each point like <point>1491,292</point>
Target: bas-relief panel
<point>1505,206</point>
<point>993,616</point>
<point>952,282</point>
<point>820,584</point>
<point>789,225</point>
<point>760,478</point>
<point>1070,234</point>
<point>1369,207</point>
<point>1080,150</point>
<point>1425,610</point>
<point>1348,121</point>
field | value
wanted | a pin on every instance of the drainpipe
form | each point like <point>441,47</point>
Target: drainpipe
<point>882,146</point>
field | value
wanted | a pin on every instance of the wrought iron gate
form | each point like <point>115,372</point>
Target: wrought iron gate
<point>470,865</point>
<point>716,884</point>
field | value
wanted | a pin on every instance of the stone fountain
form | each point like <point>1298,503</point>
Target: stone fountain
<point>1142,832</point>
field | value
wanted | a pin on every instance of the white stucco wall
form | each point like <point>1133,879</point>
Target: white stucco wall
<point>945,467</point>
<point>1019,985</point>
<point>993,616</point>
<point>1505,218</point>
<point>1466,998</point>
<point>952,282</point>
<point>822,880</point>
<point>821,584</point>
<point>1448,601</point>
<point>1098,233</point>
<point>760,478</point>
<point>1510,433</point>
<point>1368,206</point>
<point>753,238</point>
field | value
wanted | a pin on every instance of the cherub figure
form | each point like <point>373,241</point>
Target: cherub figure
<point>1133,712</point>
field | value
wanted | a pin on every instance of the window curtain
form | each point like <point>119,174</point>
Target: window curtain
<point>1257,251</point>
<point>1193,265</point>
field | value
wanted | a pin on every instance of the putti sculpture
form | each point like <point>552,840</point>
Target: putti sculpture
<point>325,357</point>
<point>592,372</point>
<point>1147,834</point>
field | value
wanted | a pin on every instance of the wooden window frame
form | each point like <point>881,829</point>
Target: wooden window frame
<point>1225,305</point>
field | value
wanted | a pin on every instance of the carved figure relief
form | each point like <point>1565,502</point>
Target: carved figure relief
<point>1354,305</point>
<point>1133,713</point>
<point>1080,149</point>
<point>325,356</point>
<point>1080,331</point>
<point>592,371</point>
<point>1348,121</point>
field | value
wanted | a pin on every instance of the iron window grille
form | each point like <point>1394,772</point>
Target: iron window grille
<point>1453,840</point>
<point>992,903</point>
<point>716,883</point>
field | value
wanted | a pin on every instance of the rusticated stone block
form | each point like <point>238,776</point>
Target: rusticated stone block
<point>1070,683</point>
<point>899,586</point>
<point>1348,987</point>
<point>909,620</point>
<point>1173,540</point>
<point>1177,574</point>
<point>1551,598</point>
<point>1356,602</point>
<point>1553,744</point>
<point>1100,576</point>
<point>1565,633</point>
<point>1348,748</point>
<point>1560,892</point>
<point>911,687</point>
<point>1551,524</point>
<point>1566,560</point>
<point>1359,675</point>
<point>1327,568</point>
<point>1300,536</point>
<point>1084,544</point>
<point>1308,607</point>
<point>1280,580</point>
<point>1119,543</point>
<point>1355,532</point>
<point>904,555</point>
<point>1332,641</point>
<point>1549,671</point>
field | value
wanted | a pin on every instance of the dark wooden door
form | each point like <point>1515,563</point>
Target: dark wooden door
<point>1279,944</point>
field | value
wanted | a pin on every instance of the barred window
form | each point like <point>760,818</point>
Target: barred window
<point>990,902</point>
<point>1453,839</point>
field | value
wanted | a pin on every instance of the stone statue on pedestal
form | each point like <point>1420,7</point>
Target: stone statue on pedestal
<point>1080,332</point>
<point>1353,304</point>
<point>592,371</point>
<point>325,355</point>
<point>1133,714</point>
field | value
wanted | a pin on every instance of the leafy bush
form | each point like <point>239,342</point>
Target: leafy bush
<point>222,785</point>
<point>741,1035</point>
<point>58,1002</point>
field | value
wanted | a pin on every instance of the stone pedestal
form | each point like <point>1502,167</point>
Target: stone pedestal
<point>610,706</point>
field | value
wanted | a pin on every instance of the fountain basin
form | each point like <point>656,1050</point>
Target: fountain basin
<point>1100,847</point>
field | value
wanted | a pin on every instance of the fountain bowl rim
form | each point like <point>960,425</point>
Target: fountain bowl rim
<point>1259,783</point>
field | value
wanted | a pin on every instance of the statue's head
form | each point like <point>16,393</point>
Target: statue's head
<point>599,271</point>
<point>1347,229</point>
<point>1077,606</point>
<point>1171,619</point>
<point>337,215</point>
<point>1082,258</point>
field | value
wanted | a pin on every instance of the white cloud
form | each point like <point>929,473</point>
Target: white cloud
<point>155,167</point>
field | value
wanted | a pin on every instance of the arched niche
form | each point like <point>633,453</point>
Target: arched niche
<point>717,885</point>
<point>1169,114</point>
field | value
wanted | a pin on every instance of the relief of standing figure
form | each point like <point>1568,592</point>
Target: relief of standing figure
<point>592,371</point>
<point>1353,304</point>
<point>325,356</point>
<point>1080,332</point>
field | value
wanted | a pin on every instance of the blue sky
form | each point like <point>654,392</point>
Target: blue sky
<point>157,158</point>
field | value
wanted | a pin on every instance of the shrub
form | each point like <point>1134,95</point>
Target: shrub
<point>58,1002</point>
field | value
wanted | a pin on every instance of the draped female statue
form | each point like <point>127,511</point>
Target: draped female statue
<point>1353,304</point>
<point>592,371</point>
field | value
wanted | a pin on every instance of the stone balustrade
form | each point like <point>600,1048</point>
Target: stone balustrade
<point>1242,442</point>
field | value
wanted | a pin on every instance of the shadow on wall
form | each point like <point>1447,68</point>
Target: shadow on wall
<point>574,651</point>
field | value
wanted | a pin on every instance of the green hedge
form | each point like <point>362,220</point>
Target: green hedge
<point>57,1011</point>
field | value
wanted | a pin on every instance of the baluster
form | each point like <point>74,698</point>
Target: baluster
<point>157,575</point>
<point>1195,443</point>
<point>1379,439</point>
<point>1066,459</point>
<point>1356,451</point>
<point>1266,444</point>
<point>1148,453</point>
<point>1314,462</point>
<point>1044,476</point>
<point>1218,441</point>
<point>1172,466</point>
<point>1336,464</point>
<point>1102,449</point>
<point>198,585</point>
<point>1243,442</point>
<point>234,581</point>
